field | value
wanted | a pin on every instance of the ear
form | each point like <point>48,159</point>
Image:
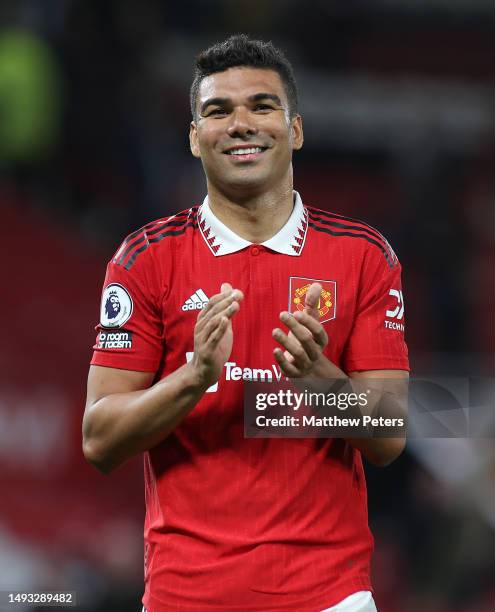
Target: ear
<point>193,139</point>
<point>297,133</point>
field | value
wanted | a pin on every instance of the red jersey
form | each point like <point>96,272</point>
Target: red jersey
<point>251,524</point>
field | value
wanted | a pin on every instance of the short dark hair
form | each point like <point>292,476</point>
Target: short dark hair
<point>240,50</point>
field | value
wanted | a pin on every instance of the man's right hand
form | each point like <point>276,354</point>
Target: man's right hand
<point>213,337</point>
<point>125,415</point>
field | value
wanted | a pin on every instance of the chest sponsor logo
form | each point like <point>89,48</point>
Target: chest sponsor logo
<point>114,340</point>
<point>236,372</point>
<point>327,304</point>
<point>397,312</point>
<point>116,306</point>
<point>197,301</point>
<point>233,371</point>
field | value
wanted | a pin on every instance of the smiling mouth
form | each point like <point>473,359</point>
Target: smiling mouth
<point>243,152</point>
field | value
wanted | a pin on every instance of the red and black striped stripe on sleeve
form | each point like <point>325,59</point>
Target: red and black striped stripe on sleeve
<point>338,225</point>
<point>151,233</point>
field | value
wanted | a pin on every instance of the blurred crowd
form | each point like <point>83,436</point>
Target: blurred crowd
<point>398,103</point>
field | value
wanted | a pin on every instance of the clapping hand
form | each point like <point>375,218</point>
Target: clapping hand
<point>305,341</point>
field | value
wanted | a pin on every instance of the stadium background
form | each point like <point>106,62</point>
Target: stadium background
<point>398,103</point>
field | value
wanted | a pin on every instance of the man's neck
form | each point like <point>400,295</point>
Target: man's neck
<point>257,218</point>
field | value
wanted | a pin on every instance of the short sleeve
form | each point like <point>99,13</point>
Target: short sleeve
<point>130,331</point>
<point>376,341</point>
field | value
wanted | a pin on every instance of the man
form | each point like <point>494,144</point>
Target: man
<point>235,523</point>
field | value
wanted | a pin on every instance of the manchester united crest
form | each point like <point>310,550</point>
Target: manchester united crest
<point>298,287</point>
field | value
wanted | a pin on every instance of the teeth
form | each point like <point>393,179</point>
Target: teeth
<point>245,151</point>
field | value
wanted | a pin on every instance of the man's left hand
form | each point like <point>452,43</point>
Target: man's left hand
<point>304,344</point>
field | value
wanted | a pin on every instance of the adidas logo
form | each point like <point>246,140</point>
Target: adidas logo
<point>197,301</point>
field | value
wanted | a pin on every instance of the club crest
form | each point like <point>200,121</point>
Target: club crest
<point>327,304</point>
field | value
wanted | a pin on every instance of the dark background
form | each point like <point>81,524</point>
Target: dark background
<point>398,106</point>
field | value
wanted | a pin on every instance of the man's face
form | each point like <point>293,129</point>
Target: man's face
<point>242,132</point>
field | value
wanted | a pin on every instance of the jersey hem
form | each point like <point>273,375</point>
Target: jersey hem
<point>316,604</point>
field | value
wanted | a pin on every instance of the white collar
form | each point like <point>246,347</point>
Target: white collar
<point>221,240</point>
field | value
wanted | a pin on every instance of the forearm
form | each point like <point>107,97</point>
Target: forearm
<point>305,363</point>
<point>121,425</point>
<point>378,451</point>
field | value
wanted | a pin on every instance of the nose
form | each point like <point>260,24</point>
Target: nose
<point>241,125</point>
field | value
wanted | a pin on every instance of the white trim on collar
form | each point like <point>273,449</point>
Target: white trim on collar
<point>221,240</point>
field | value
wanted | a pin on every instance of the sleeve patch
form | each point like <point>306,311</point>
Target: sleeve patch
<point>116,306</point>
<point>114,340</point>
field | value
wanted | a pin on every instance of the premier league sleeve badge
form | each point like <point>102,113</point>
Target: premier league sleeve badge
<point>116,306</point>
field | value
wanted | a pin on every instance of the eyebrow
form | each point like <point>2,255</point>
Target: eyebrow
<point>213,102</point>
<point>265,96</point>
<point>254,98</point>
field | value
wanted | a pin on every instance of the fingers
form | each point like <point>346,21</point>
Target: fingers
<point>207,338</point>
<point>312,300</point>
<point>299,343</point>
<point>217,332</point>
<point>314,326</point>
<point>213,334</point>
<point>288,368</point>
<point>214,318</point>
<point>303,344</point>
<point>310,333</point>
<point>220,303</point>
<point>208,325</point>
